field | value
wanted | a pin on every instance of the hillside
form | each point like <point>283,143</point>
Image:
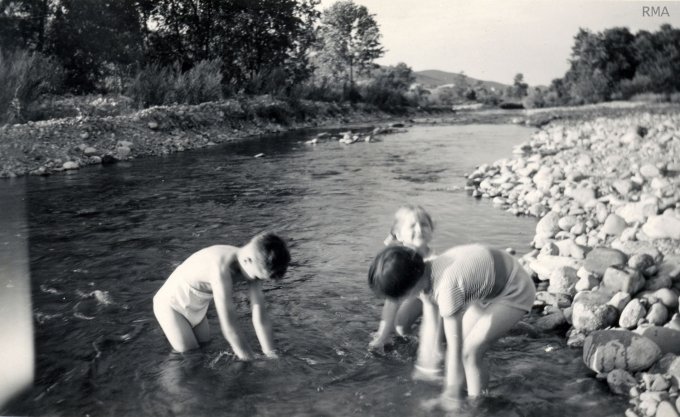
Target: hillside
<point>435,78</point>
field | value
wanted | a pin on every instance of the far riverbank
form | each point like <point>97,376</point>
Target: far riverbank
<point>46,147</point>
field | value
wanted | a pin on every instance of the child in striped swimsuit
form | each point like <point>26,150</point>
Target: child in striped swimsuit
<point>479,292</point>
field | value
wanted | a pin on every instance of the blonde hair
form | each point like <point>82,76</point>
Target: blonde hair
<point>420,214</point>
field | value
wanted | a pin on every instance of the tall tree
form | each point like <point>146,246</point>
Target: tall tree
<point>349,40</point>
<point>95,39</point>
<point>24,23</point>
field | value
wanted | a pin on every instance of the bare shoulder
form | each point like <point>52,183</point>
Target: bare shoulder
<point>206,267</point>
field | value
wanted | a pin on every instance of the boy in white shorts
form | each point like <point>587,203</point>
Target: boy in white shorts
<point>181,304</point>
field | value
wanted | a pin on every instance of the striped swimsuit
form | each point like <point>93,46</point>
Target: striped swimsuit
<point>464,274</point>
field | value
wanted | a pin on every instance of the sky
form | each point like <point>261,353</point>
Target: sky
<point>495,39</point>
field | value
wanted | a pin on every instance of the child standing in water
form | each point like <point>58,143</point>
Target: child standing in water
<point>479,292</point>
<point>412,227</point>
<point>181,304</point>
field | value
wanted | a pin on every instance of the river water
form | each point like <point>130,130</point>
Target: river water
<point>102,241</point>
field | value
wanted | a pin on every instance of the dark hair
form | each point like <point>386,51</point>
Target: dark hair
<point>394,271</point>
<point>273,253</point>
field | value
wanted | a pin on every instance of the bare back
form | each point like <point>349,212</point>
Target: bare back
<point>201,268</point>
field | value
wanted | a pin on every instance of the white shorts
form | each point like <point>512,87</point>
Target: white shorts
<point>184,299</point>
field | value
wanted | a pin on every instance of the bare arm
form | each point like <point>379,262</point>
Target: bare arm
<point>261,322</point>
<point>455,372</point>
<point>429,354</point>
<point>222,293</point>
<point>386,328</point>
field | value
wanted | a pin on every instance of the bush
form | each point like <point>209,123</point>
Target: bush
<point>24,78</point>
<point>156,85</point>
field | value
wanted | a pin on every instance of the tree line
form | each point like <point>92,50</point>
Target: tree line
<point>188,51</point>
<point>616,64</point>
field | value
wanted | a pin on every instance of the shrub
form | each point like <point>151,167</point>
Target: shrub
<point>157,85</point>
<point>24,78</point>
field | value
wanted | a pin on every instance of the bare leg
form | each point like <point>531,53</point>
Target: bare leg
<point>492,323</point>
<point>202,331</point>
<point>176,327</point>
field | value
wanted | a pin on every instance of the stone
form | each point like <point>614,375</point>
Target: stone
<point>567,222</point>
<point>637,212</point>
<point>662,227</point>
<point>658,282</point>
<point>583,195</point>
<point>586,283</point>
<point>667,339</point>
<point>649,171</point>
<point>562,280</point>
<point>543,265</point>
<point>548,225</point>
<point>667,297</point>
<point>123,152</point>
<point>68,165</point>
<point>550,248</point>
<point>626,280</point>
<point>669,364</point>
<point>591,312</point>
<point>552,321</point>
<point>632,313</point>
<point>153,125</point>
<point>657,314</point>
<point>631,248</point>
<point>568,247</point>
<point>614,225</point>
<point>620,381</point>
<point>666,409</point>
<point>623,186</point>
<point>606,350</point>
<point>600,258</point>
<point>90,151</point>
<point>641,261</point>
<point>619,300</point>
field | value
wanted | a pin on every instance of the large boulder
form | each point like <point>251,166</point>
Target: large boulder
<point>667,339</point>
<point>590,311</point>
<point>606,350</point>
<point>624,279</point>
<point>600,258</point>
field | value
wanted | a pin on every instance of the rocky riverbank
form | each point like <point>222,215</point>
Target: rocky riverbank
<point>607,245</point>
<point>46,147</point>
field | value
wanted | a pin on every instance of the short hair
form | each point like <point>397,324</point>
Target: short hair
<point>395,271</point>
<point>421,215</point>
<point>272,253</point>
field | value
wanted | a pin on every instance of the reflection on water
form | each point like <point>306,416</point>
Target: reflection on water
<point>102,241</point>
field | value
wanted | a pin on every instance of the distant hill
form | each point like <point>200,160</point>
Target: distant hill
<point>435,78</point>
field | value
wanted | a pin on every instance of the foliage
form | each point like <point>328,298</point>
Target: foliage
<point>25,77</point>
<point>388,86</point>
<point>159,85</point>
<point>616,64</point>
<point>349,41</point>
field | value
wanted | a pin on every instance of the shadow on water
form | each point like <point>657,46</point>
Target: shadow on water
<point>102,241</point>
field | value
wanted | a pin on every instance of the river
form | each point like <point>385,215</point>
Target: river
<point>103,239</point>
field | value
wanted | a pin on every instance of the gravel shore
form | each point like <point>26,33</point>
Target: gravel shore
<point>607,245</point>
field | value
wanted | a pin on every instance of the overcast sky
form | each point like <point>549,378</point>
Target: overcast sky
<point>495,39</point>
